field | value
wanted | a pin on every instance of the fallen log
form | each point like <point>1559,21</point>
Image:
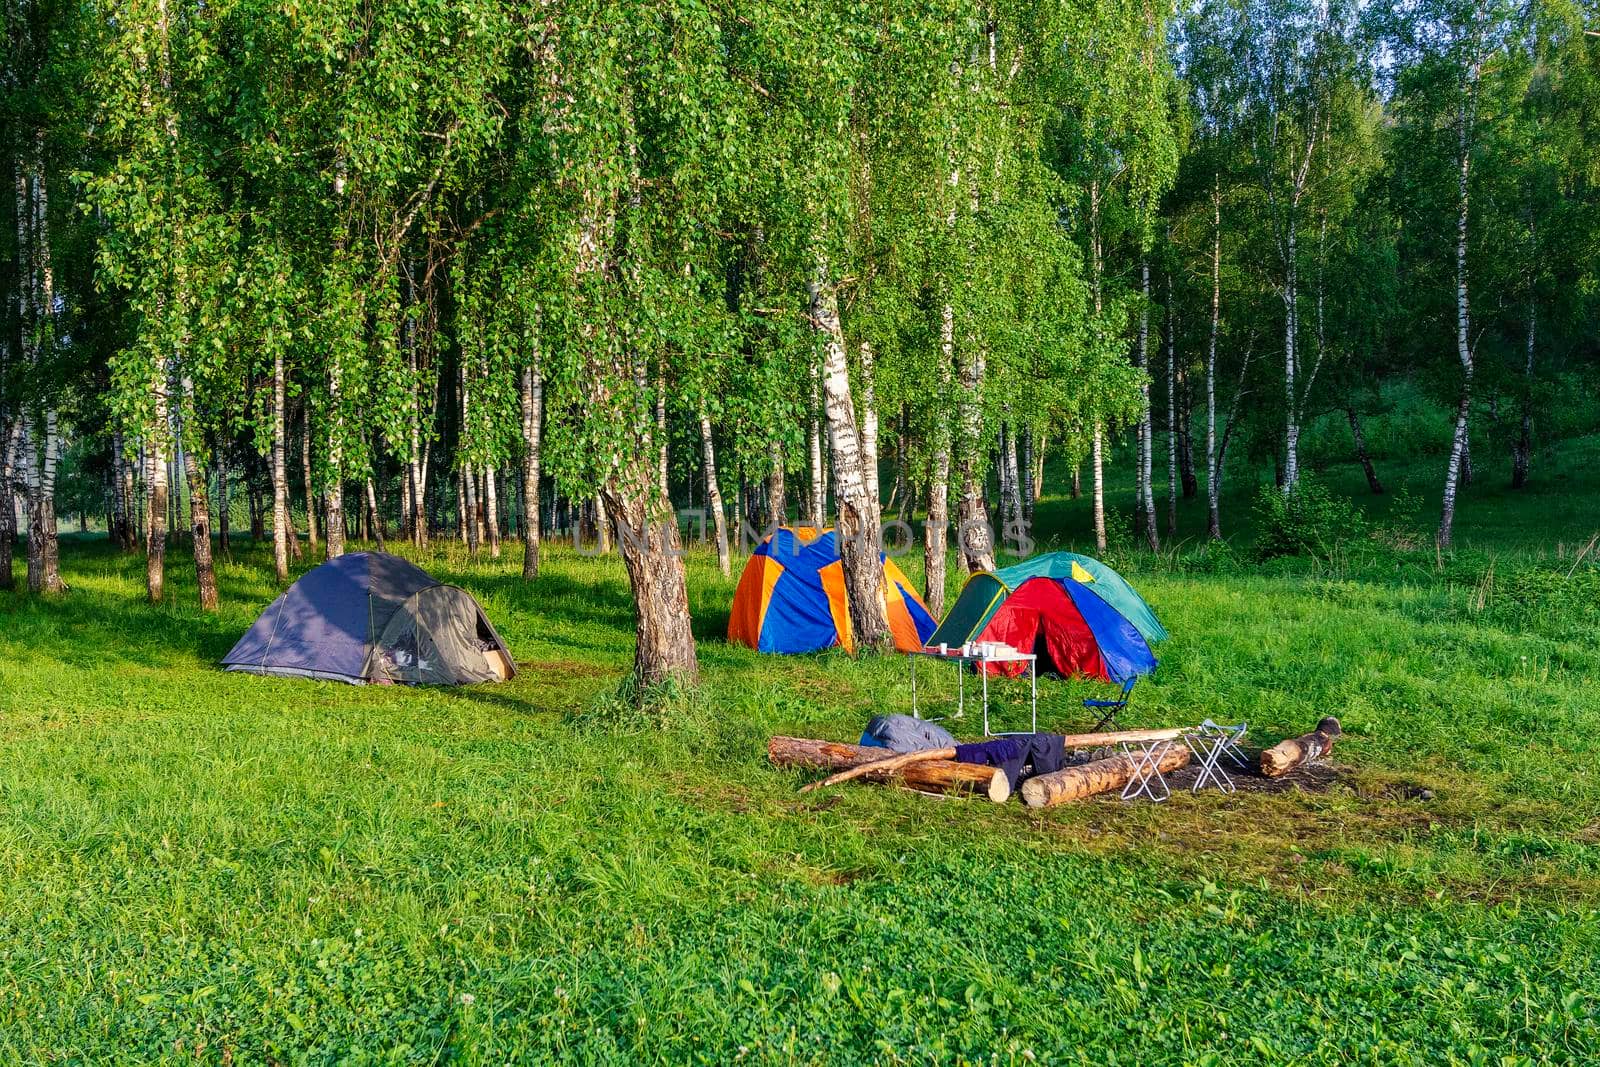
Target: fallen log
<point>1293,752</point>
<point>1087,779</point>
<point>934,775</point>
<point>882,767</point>
<point>1116,737</point>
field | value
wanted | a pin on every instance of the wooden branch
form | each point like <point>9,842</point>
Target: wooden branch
<point>882,767</point>
<point>1293,752</point>
<point>1088,779</point>
<point>938,776</point>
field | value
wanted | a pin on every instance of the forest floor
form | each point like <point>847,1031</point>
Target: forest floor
<point>196,865</point>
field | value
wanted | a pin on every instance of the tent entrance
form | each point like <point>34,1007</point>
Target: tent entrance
<point>440,636</point>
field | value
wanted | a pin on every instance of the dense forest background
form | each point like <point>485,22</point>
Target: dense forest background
<point>486,271</point>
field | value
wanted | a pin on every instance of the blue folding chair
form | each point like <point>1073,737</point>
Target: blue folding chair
<point>1110,708</point>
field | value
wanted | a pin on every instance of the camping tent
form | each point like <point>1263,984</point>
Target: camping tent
<point>372,617</point>
<point>1078,615</point>
<point>791,597</point>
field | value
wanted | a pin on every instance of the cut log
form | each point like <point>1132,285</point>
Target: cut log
<point>934,776</point>
<point>1293,752</point>
<point>1116,737</point>
<point>882,767</point>
<point>1087,779</point>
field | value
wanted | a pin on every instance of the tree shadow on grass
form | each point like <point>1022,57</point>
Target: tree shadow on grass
<point>92,630</point>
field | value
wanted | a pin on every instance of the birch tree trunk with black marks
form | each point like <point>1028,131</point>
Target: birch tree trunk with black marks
<point>375,514</point>
<point>1458,446</point>
<point>1172,414</point>
<point>869,427</point>
<point>661,427</point>
<point>859,533</point>
<point>777,500</point>
<point>37,304</point>
<point>334,497</point>
<point>155,548</point>
<point>1011,493</point>
<point>471,528</point>
<point>280,472</point>
<point>1213,495</point>
<point>719,520</point>
<point>10,449</point>
<point>974,534</point>
<point>309,481</point>
<point>491,512</point>
<point>1025,468</point>
<point>816,503</point>
<point>1145,512</point>
<point>199,514</point>
<point>224,501</point>
<point>532,447</point>
<point>1097,444</point>
<point>1362,454</point>
<point>935,543</point>
<point>1291,329</point>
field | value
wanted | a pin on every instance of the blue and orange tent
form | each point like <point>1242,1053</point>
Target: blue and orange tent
<point>1075,613</point>
<point>791,598</point>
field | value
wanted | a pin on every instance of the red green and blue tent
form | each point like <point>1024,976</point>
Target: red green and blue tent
<point>1076,614</point>
<point>791,598</point>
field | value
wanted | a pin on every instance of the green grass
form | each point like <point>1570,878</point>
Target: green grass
<point>197,865</point>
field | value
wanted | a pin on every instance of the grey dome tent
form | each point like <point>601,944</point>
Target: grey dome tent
<point>372,617</point>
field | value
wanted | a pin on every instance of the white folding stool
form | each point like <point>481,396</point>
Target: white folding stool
<point>1146,758</point>
<point>1210,742</point>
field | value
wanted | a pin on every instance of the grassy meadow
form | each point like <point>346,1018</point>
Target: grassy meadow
<point>198,866</point>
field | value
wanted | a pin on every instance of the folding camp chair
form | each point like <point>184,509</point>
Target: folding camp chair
<point>1110,708</point>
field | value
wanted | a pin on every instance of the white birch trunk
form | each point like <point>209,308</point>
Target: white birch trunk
<point>491,512</point>
<point>1291,325</point>
<point>661,426</point>
<point>532,442</point>
<point>334,497</point>
<point>719,520</point>
<point>1172,414</point>
<point>469,484</point>
<point>817,504</point>
<point>280,473</point>
<point>859,534</point>
<point>306,475</point>
<point>935,552</point>
<point>777,492</point>
<point>1213,511</point>
<point>199,513</point>
<point>1097,444</point>
<point>869,424</point>
<point>375,516</point>
<point>1458,446</point>
<point>1147,500</point>
<point>156,481</point>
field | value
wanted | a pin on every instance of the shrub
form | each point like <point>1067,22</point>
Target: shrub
<point>1308,522</point>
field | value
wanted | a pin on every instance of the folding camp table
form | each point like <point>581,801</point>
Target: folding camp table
<point>961,659</point>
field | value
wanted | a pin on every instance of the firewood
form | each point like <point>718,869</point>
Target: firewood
<point>882,767</point>
<point>1087,779</point>
<point>1293,752</point>
<point>934,775</point>
<point>1116,737</point>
